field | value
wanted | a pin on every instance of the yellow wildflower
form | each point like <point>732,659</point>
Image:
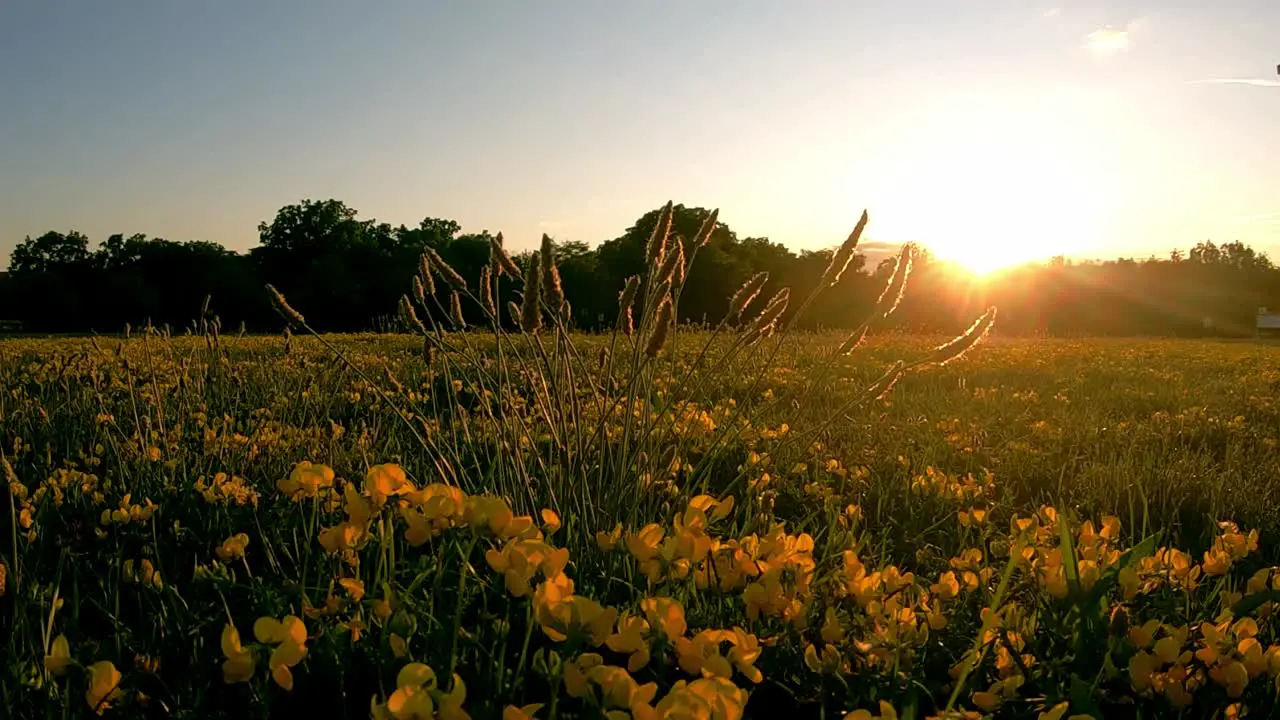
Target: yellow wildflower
<point>104,681</point>
<point>232,548</point>
<point>511,712</point>
<point>550,521</point>
<point>59,656</point>
<point>239,663</point>
<point>607,541</point>
<point>306,480</point>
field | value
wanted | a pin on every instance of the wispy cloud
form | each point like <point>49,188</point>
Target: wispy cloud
<point>1107,40</point>
<point>1256,82</point>
<point>1266,218</point>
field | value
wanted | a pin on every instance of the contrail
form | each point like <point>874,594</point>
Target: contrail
<point>1256,82</point>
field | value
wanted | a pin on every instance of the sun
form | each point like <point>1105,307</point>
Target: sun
<point>996,200</point>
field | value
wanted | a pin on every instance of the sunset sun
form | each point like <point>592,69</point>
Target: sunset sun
<point>999,200</point>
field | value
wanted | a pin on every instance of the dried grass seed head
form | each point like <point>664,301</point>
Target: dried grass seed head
<point>746,293</point>
<point>446,271</point>
<point>282,306</point>
<point>552,291</point>
<point>661,327</point>
<point>656,249</point>
<point>502,260</point>
<point>530,307</point>
<point>844,254</point>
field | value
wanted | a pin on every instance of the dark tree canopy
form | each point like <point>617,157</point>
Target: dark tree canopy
<point>347,273</point>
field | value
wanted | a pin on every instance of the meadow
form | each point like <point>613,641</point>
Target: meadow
<point>658,522</point>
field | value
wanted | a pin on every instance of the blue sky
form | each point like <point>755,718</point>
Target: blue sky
<point>1006,128</point>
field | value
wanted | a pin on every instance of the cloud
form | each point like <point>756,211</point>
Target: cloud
<point>1107,40</point>
<point>1052,12</point>
<point>1256,82</point>
<point>1269,218</point>
<point>551,227</point>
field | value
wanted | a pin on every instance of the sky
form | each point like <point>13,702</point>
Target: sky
<point>987,130</point>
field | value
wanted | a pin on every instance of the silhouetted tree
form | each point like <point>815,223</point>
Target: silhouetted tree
<point>346,274</point>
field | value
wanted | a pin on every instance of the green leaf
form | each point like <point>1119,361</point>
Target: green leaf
<point>1252,602</point>
<point>1081,695</point>
<point>1068,549</point>
<point>1130,557</point>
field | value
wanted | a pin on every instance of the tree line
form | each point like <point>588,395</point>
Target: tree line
<point>347,274</point>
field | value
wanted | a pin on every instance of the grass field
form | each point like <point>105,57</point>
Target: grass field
<point>994,535</point>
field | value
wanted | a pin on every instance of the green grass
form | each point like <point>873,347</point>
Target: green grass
<point>1169,436</point>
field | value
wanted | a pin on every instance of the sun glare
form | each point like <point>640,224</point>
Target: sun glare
<point>1107,40</point>
<point>995,201</point>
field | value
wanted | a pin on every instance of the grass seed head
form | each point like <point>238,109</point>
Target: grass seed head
<point>455,310</point>
<point>502,260</point>
<point>486,291</point>
<point>672,270</point>
<point>708,227</point>
<point>772,311</point>
<point>282,306</point>
<point>896,287</point>
<point>746,293</point>
<point>425,276</point>
<point>840,259</point>
<point>964,342</point>
<point>419,292</point>
<point>627,297</point>
<point>655,251</point>
<point>408,317</point>
<point>853,341</point>
<point>552,291</point>
<point>661,327</point>
<point>530,309</point>
<point>446,271</point>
